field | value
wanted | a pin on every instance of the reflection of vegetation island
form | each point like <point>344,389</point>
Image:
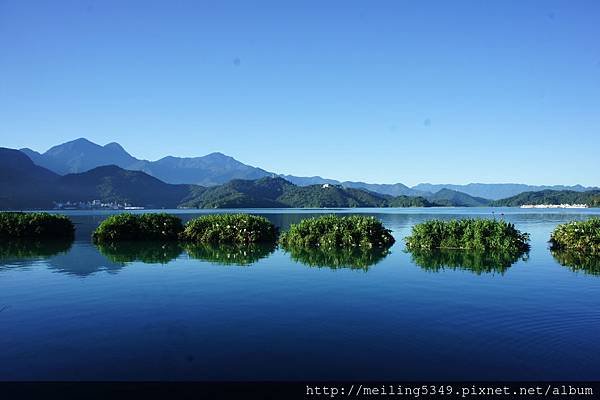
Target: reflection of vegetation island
<point>587,262</point>
<point>35,225</point>
<point>476,261</point>
<point>149,252</point>
<point>226,254</point>
<point>27,248</point>
<point>468,234</point>
<point>355,241</point>
<point>132,227</point>
<point>576,245</point>
<point>354,258</point>
<point>235,229</point>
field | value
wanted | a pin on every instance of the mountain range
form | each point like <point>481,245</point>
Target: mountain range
<point>214,169</point>
<point>25,185</point>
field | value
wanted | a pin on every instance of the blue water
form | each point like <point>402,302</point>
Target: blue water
<point>80,315</point>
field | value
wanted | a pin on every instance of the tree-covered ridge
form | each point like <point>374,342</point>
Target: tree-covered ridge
<point>277,192</point>
<point>590,198</point>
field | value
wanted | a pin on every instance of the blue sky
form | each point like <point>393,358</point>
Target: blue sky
<point>398,91</point>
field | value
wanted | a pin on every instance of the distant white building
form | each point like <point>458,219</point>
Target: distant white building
<point>326,185</point>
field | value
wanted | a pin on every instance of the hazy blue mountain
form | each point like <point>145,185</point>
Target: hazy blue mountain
<point>394,189</point>
<point>26,185</point>
<point>212,169</point>
<point>81,155</point>
<point>449,197</point>
<point>494,191</point>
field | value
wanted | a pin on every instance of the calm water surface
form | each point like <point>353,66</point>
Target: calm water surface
<point>155,312</point>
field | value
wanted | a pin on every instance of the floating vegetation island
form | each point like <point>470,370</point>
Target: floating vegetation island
<point>354,241</point>
<point>576,245</point>
<point>577,235</point>
<point>334,232</point>
<point>468,234</point>
<point>132,227</point>
<point>15,225</point>
<point>234,229</point>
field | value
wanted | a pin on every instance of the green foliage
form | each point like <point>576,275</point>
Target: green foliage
<point>590,197</point>
<point>130,227</point>
<point>332,231</point>
<point>35,225</point>
<point>476,261</point>
<point>225,254</point>
<point>240,229</point>
<point>336,258</point>
<point>277,192</point>
<point>577,235</point>
<point>586,262</point>
<point>409,201</point>
<point>149,252</point>
<point>28,248</point>
<point>473,234</point>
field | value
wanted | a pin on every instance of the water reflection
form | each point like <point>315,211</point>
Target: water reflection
<point>588,263</point>
<point>229,254</point>
<point>338,258</point>
<point>25,252</point>
<point>478,262</point>
<point>149,252</point>
<point>19,249</point>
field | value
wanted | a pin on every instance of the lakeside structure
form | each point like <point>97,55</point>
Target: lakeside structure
<point>554,206</point>
<point>94,205</point>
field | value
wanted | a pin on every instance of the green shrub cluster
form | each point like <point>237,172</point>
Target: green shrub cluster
<point>227,254</point>
<point>478,262</point>
<point>15,225</point>
<point>131,227</point>
<point>337,258</point>
<point>239,229</point>
<point>332,232</point>
<point>471,234</point>
<point>577,235</point>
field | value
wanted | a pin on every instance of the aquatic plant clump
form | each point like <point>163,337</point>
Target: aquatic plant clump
<point>131,227</point>
<point>240,229</point>
<point>14,225</point>
<point>333,232</point>
<point>468,234</point>
<point>577,235</point>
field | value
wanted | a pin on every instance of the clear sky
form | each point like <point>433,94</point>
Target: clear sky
<point>398,91</point>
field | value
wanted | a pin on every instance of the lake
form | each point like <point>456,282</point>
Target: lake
<point>156,312</point>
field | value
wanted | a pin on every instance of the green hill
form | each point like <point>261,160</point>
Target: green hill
<point>277,192</point>
<point>449,197</point>
<point>591,198</point>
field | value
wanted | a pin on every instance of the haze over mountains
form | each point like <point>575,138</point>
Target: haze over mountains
<point>25,185</point>
<point>216,168</point>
